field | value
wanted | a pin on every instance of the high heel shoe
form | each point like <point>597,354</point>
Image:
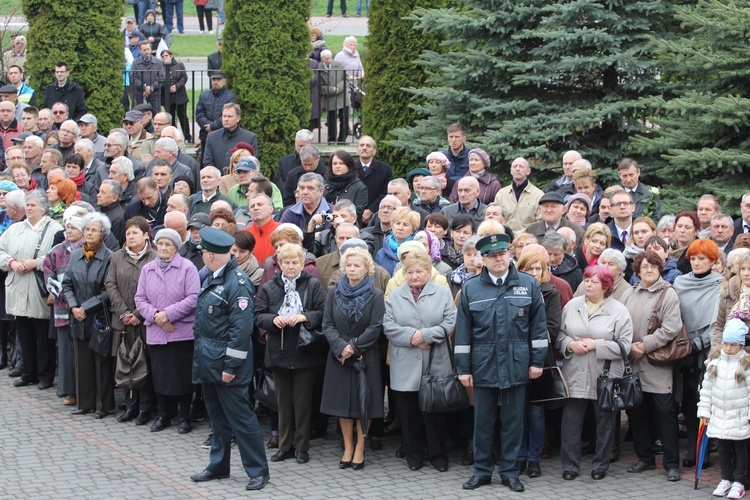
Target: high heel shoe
<point>345,465</point>
<point>358,466</point>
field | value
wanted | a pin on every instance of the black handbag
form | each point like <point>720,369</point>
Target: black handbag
<point>41,283</point>
<point>624,393</point>
<point>131,368</point>
<point>265,393</point>
<point>310,339</point>
<point>101,333</point>
<point>442,393</point>
<point>551,385</point>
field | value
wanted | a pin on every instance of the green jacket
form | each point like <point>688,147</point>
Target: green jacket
<point>223,326</point>
<point>237,195</point>
<point>500,330</point>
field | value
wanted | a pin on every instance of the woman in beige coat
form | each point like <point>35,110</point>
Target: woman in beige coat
<point>658,404</point>
<point>20,259</point>
<point>592,327</point>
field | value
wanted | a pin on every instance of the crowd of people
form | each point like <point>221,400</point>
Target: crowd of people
<point>333,276</point>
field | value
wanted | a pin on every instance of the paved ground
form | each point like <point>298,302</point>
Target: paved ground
<point>47,453</point>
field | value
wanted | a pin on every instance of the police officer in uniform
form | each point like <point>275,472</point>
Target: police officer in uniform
<point>501,342</point>
<point>223,361</point>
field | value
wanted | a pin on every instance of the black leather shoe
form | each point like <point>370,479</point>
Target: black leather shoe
<point>598,475</point>
<point>80,412</point>
<point>569,475</point>
<point>400,453</point>
<point>127,416</point>
<point>280,456</point>
<point>375,443</point>
<point>160,424</point>
<point>534,470</point>
<point>143,418</point>
<point>207,475</point>
<point>475,482</point>
<point>688,462</point>
<point>358,466</point>
<point>514,484</point>
<point>100,414</point>
<point>273,442</point>
<point>22,383</point>
<point>641,466</point>
<point>44,384</point>
<point>345,465</point>
<point>184,426</point>
<point>15,372</point>
<point>257,483</point>
<point>302,457</point>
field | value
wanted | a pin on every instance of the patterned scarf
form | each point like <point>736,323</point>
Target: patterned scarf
<point>137,256</point>
<point>459,275</point>
<point>741,309</point>
<point>352,298</point>
<point>443,180</point>
<point>292,303</point>
<point>455,257</point>
<point>416,292</point>
<point>432,242</point>
<point>57,211</point>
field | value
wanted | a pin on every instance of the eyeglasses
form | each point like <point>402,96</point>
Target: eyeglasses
<point>92,230</point>
<point>127,124</point>
<point>59,112</point>
<point>622,203</point>
<point>107,145</point>
<point>387,208</point>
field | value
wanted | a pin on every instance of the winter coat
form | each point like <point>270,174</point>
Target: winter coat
<point>569,271</point>
<point>174,291</point>
<point>621,292</point>
<point>523,211</point>
<point>271,269</point>
<point>281,346</point>
<point>147,74</point>
<point>71,94</point>
<point>222,328</point>
<point>329,81</point>
<point>177,77</point>
<point>668,274</point>
<point>640,304</point>
<point>83,287</point>
<point>155,30</point>
<point>209,107</point>
<point>55,263</point>
<point>452,210</point>
<point>607,326</point>
<point>351,62</point>
<point>725,395</point>
<point>434,314</point>
<point>553,311</point>
<point>340,386</point>
<point>122,283</point>
<point>19,242</point>
<point>356,192</point>
<point>489,186</point>
<point>501,330</point>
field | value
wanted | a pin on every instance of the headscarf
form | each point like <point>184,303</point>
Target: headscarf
<point>433,243</point>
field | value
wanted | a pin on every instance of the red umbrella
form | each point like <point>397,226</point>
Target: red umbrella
<point>700,451</point>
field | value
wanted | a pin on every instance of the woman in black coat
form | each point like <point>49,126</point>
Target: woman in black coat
<point>178,98</point>
<point>291,298</point>
<point>352,324</point>
<point>86,295</point>
<point>342,182</point>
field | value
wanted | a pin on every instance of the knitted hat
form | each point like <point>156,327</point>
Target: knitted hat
<point>7,186</point>
<point>352,243</point>
<point>410,246</point>
<point>437,155</point>
<point>734,331</point>
<point>482,155</point>
<point>74,216</point>
<point>171,235</point>
<point>579,196</point>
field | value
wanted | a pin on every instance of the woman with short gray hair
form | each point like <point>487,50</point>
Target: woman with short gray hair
<point>23,247</point>
<point>86,295</point>
<point>615,261</point>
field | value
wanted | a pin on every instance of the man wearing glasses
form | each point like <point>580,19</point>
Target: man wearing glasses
<point>59,114</point>
<point>65,90</point>
<point>68,134</point>
<point>621,223</point>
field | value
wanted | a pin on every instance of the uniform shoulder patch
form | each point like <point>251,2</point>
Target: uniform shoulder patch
<point>243,302</point>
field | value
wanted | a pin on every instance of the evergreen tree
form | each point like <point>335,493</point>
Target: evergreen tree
<point>703,128</point>
<point>535,78</point>
<point>391,65</point>
<point>86,35</point>
<point>265,57</point>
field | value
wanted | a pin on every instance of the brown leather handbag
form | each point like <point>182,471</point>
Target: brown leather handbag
<point>676,349</point>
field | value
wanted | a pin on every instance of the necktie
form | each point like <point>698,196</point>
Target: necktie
<point>624,237</point>
<point>747,228</point>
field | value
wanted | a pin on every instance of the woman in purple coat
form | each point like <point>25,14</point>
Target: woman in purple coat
<point>166,298</point>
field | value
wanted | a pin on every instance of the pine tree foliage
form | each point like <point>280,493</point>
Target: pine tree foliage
<point>535,78</point>
<point>391,65</point>
<point>703,127</point>
<point>86,35</point>
<point>266,44</point>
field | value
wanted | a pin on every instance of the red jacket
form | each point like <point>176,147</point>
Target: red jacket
<point>263,248</point>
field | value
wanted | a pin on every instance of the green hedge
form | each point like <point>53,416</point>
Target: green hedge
<point>265,57</point>
<point>85,34</point>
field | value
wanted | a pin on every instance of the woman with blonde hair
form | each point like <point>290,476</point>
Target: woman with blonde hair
<point>596,239</point>
<point>404,223</point>
<point>352,324</point>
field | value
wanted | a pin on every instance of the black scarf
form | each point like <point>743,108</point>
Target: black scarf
<point>337,185</point>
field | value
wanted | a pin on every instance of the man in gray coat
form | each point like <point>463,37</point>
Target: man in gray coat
<point>335,93</point>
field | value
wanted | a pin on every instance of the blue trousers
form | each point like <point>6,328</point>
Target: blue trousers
<point>512,403</point>
<point>230,412</point>
<point>533,434</point>
<point>172,9</point>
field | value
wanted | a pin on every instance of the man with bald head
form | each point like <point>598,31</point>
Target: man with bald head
<point>468,201</point>
<point>178,203</point>
<point>380,226</point>
<point>175,134</point>
<point>567,178</point>
<point>178,222</point>
<point>520,200</point>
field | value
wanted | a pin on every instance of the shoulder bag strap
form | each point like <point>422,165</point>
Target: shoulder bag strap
<point>41,239</point>
<point>429,365</point>
<point>655,311</point>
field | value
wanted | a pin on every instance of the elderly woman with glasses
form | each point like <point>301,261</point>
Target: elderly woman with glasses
<point>86,295</point>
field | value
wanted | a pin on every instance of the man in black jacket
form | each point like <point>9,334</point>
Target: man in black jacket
<point>150,204</point>
<point>310,161</point>
<point>288,163</point>
<point>218,144</point>
<point>214,60</point>
<point>375,174</point>
<point>211,103</point>
<point>147,73</point>
<point>108,200</point>
<point>65,90</point>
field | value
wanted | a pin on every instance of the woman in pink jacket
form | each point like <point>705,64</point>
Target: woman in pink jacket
<point>166,298</point>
